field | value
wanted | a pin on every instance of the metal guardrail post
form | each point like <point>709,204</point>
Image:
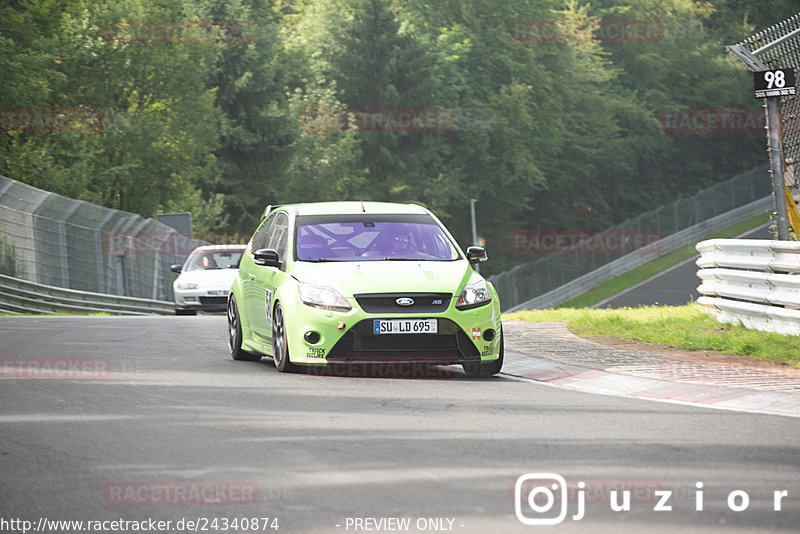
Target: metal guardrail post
<point>774,127</point>
<point>99,252</point>
<point>31,217</point>
<point>63,245</point>
<point>775,138</point>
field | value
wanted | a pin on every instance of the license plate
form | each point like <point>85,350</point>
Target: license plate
<point>217,292</point>
<point>405,326</point>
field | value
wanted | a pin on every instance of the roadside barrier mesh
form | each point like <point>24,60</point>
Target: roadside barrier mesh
<point>530,280</point>
<point>54,240</point>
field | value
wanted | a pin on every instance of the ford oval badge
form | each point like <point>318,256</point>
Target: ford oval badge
<point>405,301</point>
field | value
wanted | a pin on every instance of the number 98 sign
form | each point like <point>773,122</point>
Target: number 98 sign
<point>777,82</point>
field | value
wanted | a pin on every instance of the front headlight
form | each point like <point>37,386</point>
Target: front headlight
<point>325,298</point>
<point>186,285</point>
<point>474,295</point>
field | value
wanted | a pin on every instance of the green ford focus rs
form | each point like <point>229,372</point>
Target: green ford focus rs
<point>362,282</point>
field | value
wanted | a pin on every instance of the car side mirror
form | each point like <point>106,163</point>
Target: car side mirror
<point>267,257</point>
<point>176,268</point>
<point>476,254</point>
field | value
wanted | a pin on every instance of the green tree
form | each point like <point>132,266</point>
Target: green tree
<point>686,68</point>
<point>253,81</point>
<point>159,124</point>
<point>379,67</point>
<point>510,120</point>
<point>325,162</point>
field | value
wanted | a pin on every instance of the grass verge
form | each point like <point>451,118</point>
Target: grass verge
<point>686,327</point>
<point>639,274</point>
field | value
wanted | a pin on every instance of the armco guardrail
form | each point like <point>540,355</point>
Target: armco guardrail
<point>21,296</point>
<point>643,255</point>
<point>755,282</point>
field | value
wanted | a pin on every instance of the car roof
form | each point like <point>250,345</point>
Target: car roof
<point>353,208</point>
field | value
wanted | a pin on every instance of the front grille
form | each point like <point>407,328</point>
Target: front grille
<point>214,301</point>
<point>360,343</point>
<point>387,302</point>
<point>408,342</point>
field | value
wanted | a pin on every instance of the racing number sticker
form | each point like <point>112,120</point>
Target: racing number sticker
<point>269,307</point>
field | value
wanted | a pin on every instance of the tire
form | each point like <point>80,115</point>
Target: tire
<point>235,335</point>
<point>280,347</point>
<point>478,370</point>
<point>185,312</point>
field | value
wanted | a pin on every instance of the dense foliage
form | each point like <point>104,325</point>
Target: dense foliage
<point>548,131</point>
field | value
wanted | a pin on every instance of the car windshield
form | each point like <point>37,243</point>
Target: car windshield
<point>372,238</point>
<point>214,259</point>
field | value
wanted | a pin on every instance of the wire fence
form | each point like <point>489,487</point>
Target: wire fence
<point>528,281</point>
<point>784,54</point>
<point>778,47</point>
<point>58,241</point>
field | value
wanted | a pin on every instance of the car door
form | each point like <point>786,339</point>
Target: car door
<point>252,291</point>
<point>267,279</point>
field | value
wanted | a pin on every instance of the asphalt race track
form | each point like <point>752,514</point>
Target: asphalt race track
<point>133,419</point>
<point>675,286</point>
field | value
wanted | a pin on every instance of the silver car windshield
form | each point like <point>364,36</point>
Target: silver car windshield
<point>214,259</point>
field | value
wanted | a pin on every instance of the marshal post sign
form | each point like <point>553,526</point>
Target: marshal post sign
<point>777,82</point>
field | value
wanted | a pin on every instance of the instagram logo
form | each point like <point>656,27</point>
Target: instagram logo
<point>536,496</point>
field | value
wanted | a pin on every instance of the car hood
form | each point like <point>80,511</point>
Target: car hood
<point>351,278</point>
<point>211,279</point>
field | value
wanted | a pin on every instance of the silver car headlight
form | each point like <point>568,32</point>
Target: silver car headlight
<point>186,285</point>
<point>474,295</point>
<point>325,298</point>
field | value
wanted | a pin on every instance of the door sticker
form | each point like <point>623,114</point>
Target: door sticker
<point>269,307</point>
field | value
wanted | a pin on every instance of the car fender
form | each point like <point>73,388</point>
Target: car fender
<point>237,291</point>
<point>496,311</point>
<point>482,318</point>
<point>286,295</point>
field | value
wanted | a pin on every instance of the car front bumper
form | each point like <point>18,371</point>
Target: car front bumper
<point>463,336</point>
<point>201,300</point>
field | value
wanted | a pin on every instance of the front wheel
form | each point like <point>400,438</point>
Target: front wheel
<point>235,335</point>
<point>475,370</point>
<point>280,347</point>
